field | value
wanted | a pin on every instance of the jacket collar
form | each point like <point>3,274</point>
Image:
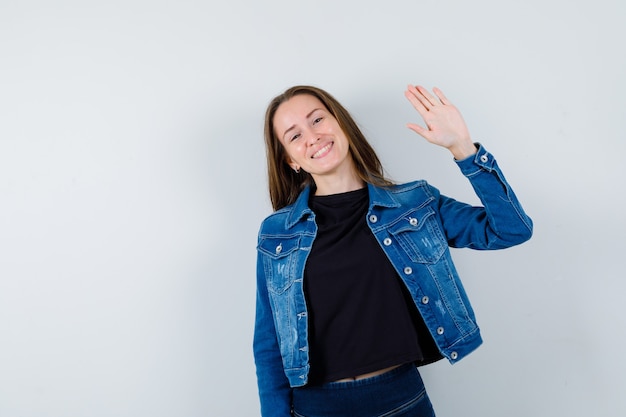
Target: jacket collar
<point>381,197</point>
<point>299,209</point>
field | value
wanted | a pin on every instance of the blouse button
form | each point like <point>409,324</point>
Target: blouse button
<point>373,218</point>
<point>408,270</point>
<point>425,299</point>
<point>387,241</point>
<point>484,158</point>
<point>439,330</point>
<point>413,221</point>
<point>279,248</point>
<point>454,356</point>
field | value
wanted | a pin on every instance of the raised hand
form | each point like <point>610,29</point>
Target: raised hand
<point>444,124</point>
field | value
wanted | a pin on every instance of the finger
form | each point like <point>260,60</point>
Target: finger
<point>415,92</point>
<point>441,96</point>
<point>425,133</point>
<point>432,101</point>
<point>413,96</point>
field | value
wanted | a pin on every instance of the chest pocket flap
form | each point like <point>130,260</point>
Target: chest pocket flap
<point>419,235</point>
<point>277,247</point>
<point>279,261</point>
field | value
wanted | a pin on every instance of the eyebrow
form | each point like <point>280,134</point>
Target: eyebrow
<point>307,116</point>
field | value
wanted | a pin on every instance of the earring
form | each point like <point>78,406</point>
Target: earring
<point>297,169</point>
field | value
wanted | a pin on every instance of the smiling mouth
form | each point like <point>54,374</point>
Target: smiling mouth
<point>323,151</point>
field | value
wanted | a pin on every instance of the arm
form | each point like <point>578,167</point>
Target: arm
<point>501,222</point>
<point>274,389</point>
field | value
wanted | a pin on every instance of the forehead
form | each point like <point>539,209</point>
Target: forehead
<point>295,110</point>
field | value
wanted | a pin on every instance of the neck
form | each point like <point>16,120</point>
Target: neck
<point>336,184</point>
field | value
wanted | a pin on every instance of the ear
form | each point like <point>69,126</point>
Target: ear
<point>292,164</point>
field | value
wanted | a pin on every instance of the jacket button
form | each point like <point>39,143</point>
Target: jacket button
<point>279,248</point>
<point>373,218</point>
<point>439,330</point>
<point>425,299</point>
<point>408,270</point>
<point>387,241</point>
<point>454,356</point>
<point>484,158</point>
<point>413,221</point>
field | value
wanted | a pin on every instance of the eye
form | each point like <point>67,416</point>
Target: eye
<point>294,137</point>
<point>317,120</point>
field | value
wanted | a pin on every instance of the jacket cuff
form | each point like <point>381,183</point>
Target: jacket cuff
<point>481,160</point>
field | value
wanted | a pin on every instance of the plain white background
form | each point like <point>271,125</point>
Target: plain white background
<point>132,185</point>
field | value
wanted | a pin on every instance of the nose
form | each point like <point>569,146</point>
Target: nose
<point>312,137</point>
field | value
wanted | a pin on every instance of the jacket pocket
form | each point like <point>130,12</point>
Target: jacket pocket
<point>419,235</point>
<point>279,260</point>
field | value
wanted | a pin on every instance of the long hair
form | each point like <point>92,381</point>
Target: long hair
<point>284,183</point>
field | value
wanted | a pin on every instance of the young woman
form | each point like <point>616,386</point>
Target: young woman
<point>355,282</point>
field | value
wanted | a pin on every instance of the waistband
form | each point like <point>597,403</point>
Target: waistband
<point>373,396</point>
<point>398,372</point>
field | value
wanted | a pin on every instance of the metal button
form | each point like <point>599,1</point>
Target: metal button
<point>413,221</point>
<point>279,248</point>
<point>439,330</point>
<point>454,355</point>
<point>425,299</point>
<point>387,241</point>
<point>408,270</point>
<point>373,218</point>
<point>484,158</point>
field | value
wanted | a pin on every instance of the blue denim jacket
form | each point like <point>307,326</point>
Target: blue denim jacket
<point>415,226</point>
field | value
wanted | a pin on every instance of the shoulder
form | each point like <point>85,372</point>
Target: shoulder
<point>410,187</point>
<point>414,192</point>
<point>276,221</point>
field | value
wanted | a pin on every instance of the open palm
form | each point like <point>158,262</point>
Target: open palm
<point>444,124</point>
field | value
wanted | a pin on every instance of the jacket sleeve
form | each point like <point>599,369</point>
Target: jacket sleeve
<point>273,385</point>
<point>500,223</point>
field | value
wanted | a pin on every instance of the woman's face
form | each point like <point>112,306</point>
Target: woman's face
<point>312,138</point>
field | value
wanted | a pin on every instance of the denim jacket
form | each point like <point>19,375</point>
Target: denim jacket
<point>415,226</point>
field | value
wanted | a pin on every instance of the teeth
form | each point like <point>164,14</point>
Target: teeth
<point>321,151</point>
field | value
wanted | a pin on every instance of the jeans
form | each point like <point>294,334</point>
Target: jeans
<point>399,392</point>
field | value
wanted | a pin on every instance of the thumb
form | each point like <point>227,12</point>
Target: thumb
<point>419,130</point>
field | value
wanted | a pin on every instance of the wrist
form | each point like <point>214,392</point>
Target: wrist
<point>463,150</point>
